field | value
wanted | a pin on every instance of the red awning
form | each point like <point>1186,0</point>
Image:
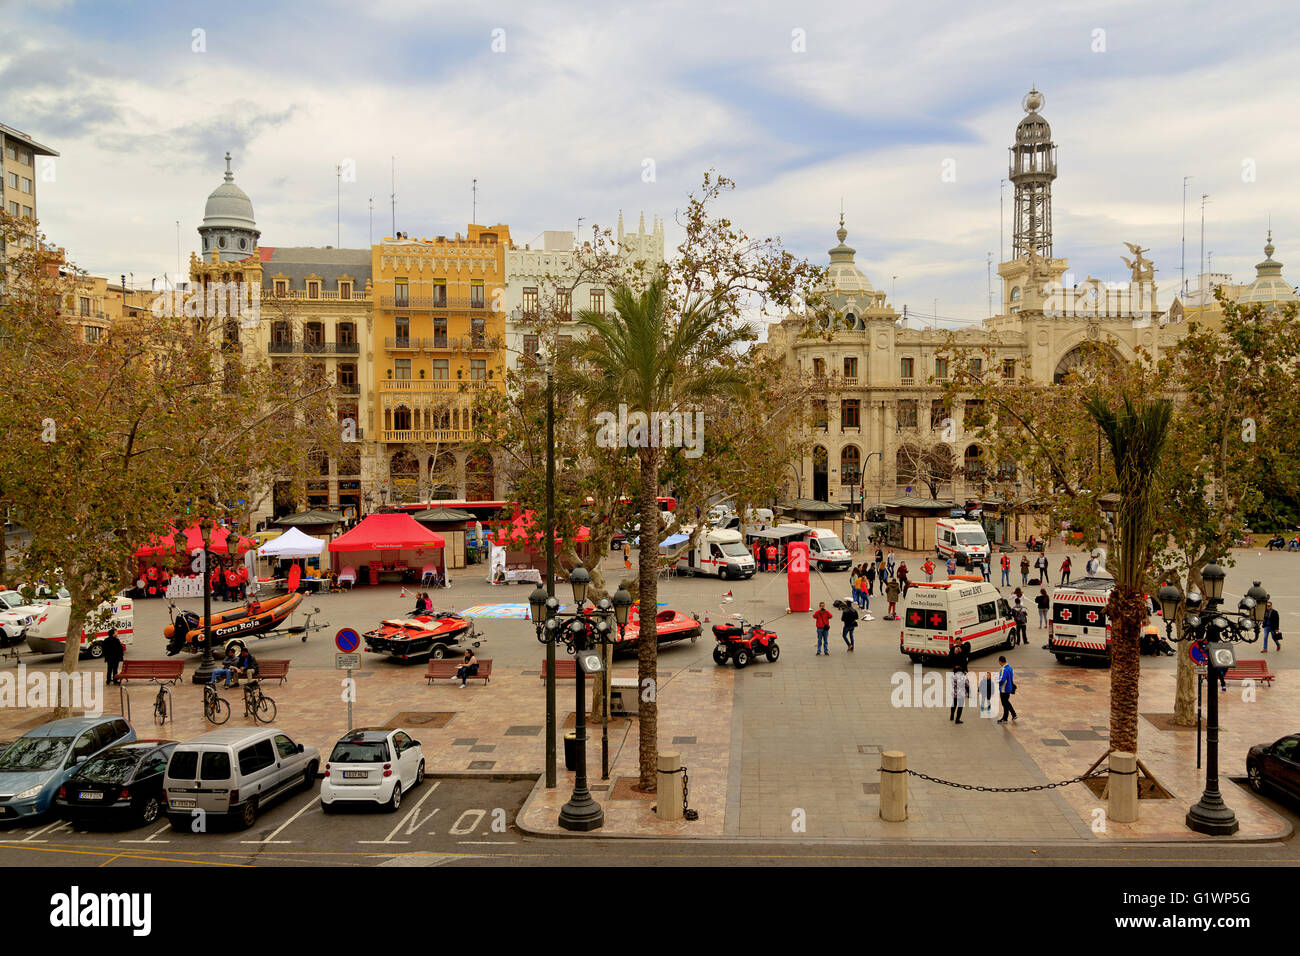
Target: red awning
<point>194,542</point>
<point>523,531</point>
<point>387,532</point>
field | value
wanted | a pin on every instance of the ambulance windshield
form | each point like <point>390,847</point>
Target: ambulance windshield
<point>972,537</point>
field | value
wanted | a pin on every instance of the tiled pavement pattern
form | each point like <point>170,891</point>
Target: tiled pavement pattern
<point>803,734</point>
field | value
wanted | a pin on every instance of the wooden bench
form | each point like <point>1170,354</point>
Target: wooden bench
<point>273,670</point>
<point>445,668</point>
<point>564,670</point>
<point>1256,670</point>
<point>168,672</point>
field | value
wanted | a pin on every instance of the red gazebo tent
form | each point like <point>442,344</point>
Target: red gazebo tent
<point>390,542</point>
<point>167,545</point>
<point>522,536</point>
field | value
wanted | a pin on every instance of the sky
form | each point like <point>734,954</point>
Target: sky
<point>902,111</point>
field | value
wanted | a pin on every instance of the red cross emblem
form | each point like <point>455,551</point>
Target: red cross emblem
<point>1065,614</point>
<point>1092,617</point>
<point>914,618</point>
<point>935,619</point>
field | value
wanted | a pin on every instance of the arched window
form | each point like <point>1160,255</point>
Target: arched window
<point>850,465</point>
<point>402,418</point>
<point>973,461</point>
<point>222,242</point>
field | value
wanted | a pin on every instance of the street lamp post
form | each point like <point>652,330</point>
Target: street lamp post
<point>1214,632</point>
<point>550,568</point>
<point>583,629</point>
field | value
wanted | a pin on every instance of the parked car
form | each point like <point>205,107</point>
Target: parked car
<point>1275,765</point>
<point>40,761</point>
<point>233,773</point>
<point>123,786</point>
<point>16,615</point>
<point>373,765</point>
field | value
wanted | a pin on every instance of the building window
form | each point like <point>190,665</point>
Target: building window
<point>530,301</point>
<point>346,333</point>
<point>478,337</point>
<point>564,305</point>
<point>439,331</point>
<point>222,242</point>
<point>1008,368</point>
<point>281,333</point>
<point>441,371</point>
<point>243,243</point>
<point>821,416</point>
<point>478,369</point>
<point>598,301</point>
<point>906,369</point>
<point>24,157</point>
<point>440,293</point>
<point>976,414</point>
<point>402,370</point>
<point>27,185</point>
<point>973,461</point>
<point>11,152</point>
<point>850,367</point>
<point>530,349</point>
<point>313,336</point>
<point>85,306</point>
<point>941,369</point>
<point>977,367</point>
<point>347,374</point>
<point>819,368</point>
<point>13,180</point>
<point>907,413</point>
<point>92,334</point>
<point>313,290</point>
<point>281,287</point>
<point>939,413</point>
<point>850,413</point>
<point>403,323</point>
<point>476,295</point>
<point>13,209</point>
<point>850,465</point>
<point>401,293</point>
<point>345,290</point>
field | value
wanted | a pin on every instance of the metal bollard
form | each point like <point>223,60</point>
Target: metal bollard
<point>669,806</point>
<point>1123,784</point>
<point>893,786</point>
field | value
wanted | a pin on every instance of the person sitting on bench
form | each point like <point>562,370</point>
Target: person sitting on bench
<point>468,667</point>
<point>227,668</point>
<point>246,664</point>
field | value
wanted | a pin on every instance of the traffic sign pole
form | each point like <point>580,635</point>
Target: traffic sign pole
<point>347,641</point>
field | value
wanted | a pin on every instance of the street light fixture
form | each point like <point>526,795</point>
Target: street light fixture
<point>1214,632</point>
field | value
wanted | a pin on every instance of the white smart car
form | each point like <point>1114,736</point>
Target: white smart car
<point>372,765</point>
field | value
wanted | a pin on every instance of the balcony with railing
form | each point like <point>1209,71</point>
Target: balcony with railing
<point>431,386</point>
<point>294,347</point>
<point>426,303</point>
<point>348,388</point>
<point>428,435</point>
<point>269,292</point>
<point>475,342</point>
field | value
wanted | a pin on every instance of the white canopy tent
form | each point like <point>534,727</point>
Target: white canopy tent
<point>292,544</point>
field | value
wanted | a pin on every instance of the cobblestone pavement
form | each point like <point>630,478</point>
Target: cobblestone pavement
<point>785,750</point>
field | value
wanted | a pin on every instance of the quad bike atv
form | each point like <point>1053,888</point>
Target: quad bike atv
<point>743,642</point>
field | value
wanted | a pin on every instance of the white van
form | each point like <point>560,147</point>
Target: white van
<point>720,553</point>
<point>826,552</point>
<point>48,634</point>
<point>938,618</point>
<point>961,539</point>
<point>1078,626</point>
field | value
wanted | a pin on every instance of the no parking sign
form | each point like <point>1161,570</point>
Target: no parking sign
<point>347,640</point>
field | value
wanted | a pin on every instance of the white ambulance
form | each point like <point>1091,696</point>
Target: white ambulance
<point>1078,626</point>
<point>961,539</point>
<point>826,552</point>
<point>722,553</point>
<point>965,609</point>
<point>48,633</point>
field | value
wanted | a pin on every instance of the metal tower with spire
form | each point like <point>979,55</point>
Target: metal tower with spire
<point>1033,167</point>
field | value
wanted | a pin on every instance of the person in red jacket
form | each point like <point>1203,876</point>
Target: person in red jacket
<point>243,583</point>
<point>770,554</point>
<point>232,584</point>
<point>823,621</point>
<point>217,583</point>
<point>1065,570</point>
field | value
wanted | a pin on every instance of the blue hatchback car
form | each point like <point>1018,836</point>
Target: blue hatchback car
<point>35,765</point>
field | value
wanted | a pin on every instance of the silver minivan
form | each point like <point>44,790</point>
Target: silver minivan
<point>232,773</point>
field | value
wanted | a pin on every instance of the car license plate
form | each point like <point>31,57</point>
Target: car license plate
<point>180,803</point>
<point>91,795</point>
<point>354,774</point>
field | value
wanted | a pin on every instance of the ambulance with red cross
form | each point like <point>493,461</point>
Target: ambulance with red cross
<point>938,618</point>
<point>1078,626</point>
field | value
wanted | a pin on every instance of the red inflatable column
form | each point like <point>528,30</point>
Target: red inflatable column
<point>797,576</point>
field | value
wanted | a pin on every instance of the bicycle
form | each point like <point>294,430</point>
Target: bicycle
<point>256,704</point>
<point>160,702</point>
<point>215,708</point>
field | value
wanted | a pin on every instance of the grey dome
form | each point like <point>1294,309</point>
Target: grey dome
<point>228,205</point>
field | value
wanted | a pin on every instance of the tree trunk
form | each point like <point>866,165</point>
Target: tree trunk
<point>77,613</point>
<point>648,640</point>
<point>1185,689</point>
<point>1126,610</point>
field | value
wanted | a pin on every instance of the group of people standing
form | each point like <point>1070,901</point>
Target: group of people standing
<point>229,584</point>
<point>890,574</point>
<point>767,556</point>
<point>960,688</point>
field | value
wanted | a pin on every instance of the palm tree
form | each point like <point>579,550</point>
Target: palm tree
<point>1136,433</point>
<point>656,364</point>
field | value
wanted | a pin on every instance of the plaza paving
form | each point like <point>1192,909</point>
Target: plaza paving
<point>785,750</point>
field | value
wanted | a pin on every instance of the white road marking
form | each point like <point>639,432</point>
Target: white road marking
<point>271,837</point>
<point>150,838</point>
<point>413,814</point>
<point>48,828</point>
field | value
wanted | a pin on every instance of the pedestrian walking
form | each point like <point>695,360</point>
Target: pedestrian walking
<point>1021,617</point>
<point>1041,564</point>
<point>986,693</point>
<point>1024,569</point>
<point>1065,570</point>
<point>951,566</point>
<point>871,579</point>
<point>880,557</point>
<point>849,617</point>
<point>903,582</point>
<point>823,621</point>
<point>862,589</point>
<point>928,569</point>
<point>890,563</point>
<point>1006,570</point>
<point>627,556</point>
<point>1006,687</point>
<point>1044,605</point>
<point>114,651</point>
<point>961,655</point>
<point>959,685</point>
<point>891,595</point>
<point>1272,627</point>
